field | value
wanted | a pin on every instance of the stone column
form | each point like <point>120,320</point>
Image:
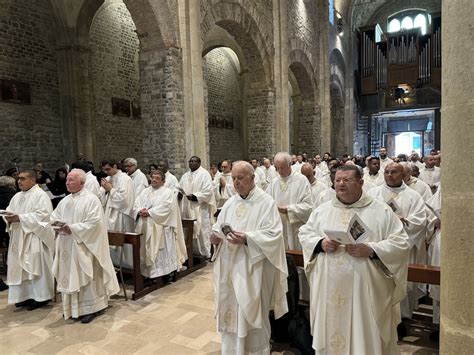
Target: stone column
<point>457,137</point>
<point>324,77</point>
<point>280,35</point>
<point>190,36</point>
<point>77,120</point>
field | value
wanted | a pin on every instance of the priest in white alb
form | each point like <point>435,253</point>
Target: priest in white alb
<point>31,249</point>
<point>117,195</point>
<point>317,188</point>
<point>171,181</point>
<point>82,264</point>
<point>250,272</point>
<point>224,188</point>
<point>268,173</point>
<point>163,248</point>
<point>292,194</point>
<point>356,288</point>
<point>91,181</point>
<point>430,173</point>
<point>410,207</point>
<point>374,174</point>
<point>414,183</point>
<point>198,202</point>
<point>139,179</point>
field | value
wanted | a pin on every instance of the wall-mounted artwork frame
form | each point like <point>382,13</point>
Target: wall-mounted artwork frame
<point>16,92</point>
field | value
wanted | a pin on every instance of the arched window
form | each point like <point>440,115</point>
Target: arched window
<point>394,25</point>
<point>407,23</point>
<point>420,21</point>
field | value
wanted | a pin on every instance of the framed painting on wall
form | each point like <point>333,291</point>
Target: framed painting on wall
<point>120,107</point>
<point>15,92</point>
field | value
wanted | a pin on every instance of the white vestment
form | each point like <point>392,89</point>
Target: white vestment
<point>199,184</point>
<point>31,249</point>
<point>224,193</point>
<point>82,265</point>
<point>384,163</point>
<point>91,184</point>
<point>259,177</point>
<point>294,192</point>
<point>118,206</point>
<point>434,250</point>
<point>296,167</point>
<point>421,187</point>
<point>163,248</point>
<point>432,176</point>
<point>250,280</point>
<point>412,208</point>
<point>267,176</point>
<point>376,179</point>
<point>140,182</point>
<point>317,188</point>
<point>323,176</point>
<point>171,182</point>
<point>354,305</point>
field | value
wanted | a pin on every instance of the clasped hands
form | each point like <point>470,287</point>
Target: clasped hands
<point>357,250</point>
<point>144,213</point>
<point>236,238</point>
<point>106,184</point>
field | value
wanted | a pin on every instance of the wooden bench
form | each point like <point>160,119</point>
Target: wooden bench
<point>416,272</point>
<point>139,290</point>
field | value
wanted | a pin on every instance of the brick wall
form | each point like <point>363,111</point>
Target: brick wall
<point>28,54</point>
<point>114,72</point>
<point>223,106</point>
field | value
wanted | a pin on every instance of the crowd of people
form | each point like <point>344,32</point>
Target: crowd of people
<point>358,221</point>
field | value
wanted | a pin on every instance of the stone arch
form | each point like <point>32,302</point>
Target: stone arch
<point>225,140</point>
<point>254,53</point>
<point>305,108</point>
<point>338,70</point>
<point>156,93</point>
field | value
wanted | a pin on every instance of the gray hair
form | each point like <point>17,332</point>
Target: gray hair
<point>131,161</point>
<point>244,164</point>
<point>8,181</point>
<point>80,173</point>
<point>283,156</point>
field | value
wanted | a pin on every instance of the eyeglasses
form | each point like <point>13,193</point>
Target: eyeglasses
<point>345,181</point>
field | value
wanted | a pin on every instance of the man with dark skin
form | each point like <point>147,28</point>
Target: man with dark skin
<point>374,168</point>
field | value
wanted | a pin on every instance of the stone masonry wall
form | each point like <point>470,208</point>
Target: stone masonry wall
<point>223,103</point>
<point>28,55</point>
<point>114,73</point>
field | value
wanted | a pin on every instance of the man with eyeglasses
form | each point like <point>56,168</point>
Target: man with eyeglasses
<point>198,202</point>
<point>410,208</point>
<point>355,289</point>
<point>140,182</point>
<point>31,249</point>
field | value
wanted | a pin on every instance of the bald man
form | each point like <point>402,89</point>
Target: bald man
<point>317,188</point>
<point>292,193</point>
<point>414,183</point>
<point>250,266</point>
<point>410,208</point>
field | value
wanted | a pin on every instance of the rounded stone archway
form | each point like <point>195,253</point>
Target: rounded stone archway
<point>305,123</point>
<point>230,25</point>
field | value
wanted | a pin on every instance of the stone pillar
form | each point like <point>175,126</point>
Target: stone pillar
<point>457,137</point>
<point>77,120</point>
<point>324,77</point>
<point>280,35</point>
<point>190,36</point>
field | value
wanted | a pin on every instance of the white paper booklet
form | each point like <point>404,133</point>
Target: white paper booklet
<point>394,206</point>
<point>56,225</point>
<point>356,231</point>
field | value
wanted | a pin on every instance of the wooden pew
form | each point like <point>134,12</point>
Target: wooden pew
<point>194,262</point>
<point>139,290</point>
<point>416,272</point>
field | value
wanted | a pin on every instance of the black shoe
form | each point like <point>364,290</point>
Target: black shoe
<point>402,331</point>
<point>87,318</point>
<point>3,285</point>
<point>24,303</point>
<point>434,335</point>
<point>36,305</point>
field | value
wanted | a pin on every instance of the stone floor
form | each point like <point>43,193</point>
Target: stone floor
<point>176,319</point>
